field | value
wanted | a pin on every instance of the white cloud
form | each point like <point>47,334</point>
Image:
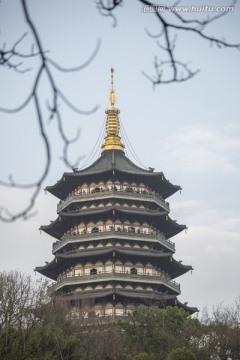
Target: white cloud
<point>22,246</point>
<point>204,148</point>
<point>212,247</point>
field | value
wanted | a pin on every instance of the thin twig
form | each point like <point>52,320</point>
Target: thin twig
<point>6,59</point>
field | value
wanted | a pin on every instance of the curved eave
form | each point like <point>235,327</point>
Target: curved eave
<point>123,293</point>
<point>179,269</point>
<point>61,261</point>
<point>70,181</point>
<point>105,165</point>
<point>190,309</point>
<point>118,250</point>
<point>67,220</point>
<point>47,270</point>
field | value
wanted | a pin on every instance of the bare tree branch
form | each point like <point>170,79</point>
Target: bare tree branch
<point>106,9</point>
<point>7,56</point>
<point>168,68</point>
<point>6,59</point>
<point>180,70</point>
<point>80,67</point>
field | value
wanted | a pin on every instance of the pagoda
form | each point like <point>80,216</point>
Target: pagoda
<point>113,248</point>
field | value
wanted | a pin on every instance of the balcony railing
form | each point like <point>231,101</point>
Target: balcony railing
<point>110,193</point>
<point>90,236</point>
<point>117,276</point>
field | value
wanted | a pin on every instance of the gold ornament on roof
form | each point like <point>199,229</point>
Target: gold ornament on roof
<point>112,96</point>
<point>112,140</point>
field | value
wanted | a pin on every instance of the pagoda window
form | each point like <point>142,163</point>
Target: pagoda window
<point>139,268</point>
<point>130,309</point>
<point>137,227</point>
<point>109,185</point>
<point>109,311</point>
<point>131,229</point>
<point>129,189</point>
<point>77,190</point>
<point>133,271</point>
<point>93,271</point>
<point>84,187</point>
<point>119,267</point>
<point>86,271</point>
<point>69,273</point>
<point>145,229</point>
<point>92,186</point>
<point>125,185</point>
<point>99,267</point>
<point>78,270</point>
<point>128,266</point>
<point>96,189</point>
<point>149,269</point>
<point>118,225</point>
<point>89,226</point>
<point>117,186</point>
<point>108,267</point>
<point>99,311</point>
<point>109,222</point>
<point>119,309</point>
<point>125,226</point>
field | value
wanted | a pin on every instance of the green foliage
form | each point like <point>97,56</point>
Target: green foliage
<point>154,330</point>
<point>181,354</point>
<point>141,356</point>
<point>34,328</point>
<point>43,342</point>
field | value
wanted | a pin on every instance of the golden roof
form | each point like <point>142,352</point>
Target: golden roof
<point>112,140</point>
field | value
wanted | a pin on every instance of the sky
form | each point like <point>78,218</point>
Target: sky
<point>188,130</point>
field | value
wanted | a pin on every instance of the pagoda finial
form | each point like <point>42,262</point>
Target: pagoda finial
<point>112,96</point>
<point>112,140</point>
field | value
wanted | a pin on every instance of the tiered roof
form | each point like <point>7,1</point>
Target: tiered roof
<point>114,166</point>
<point>123,168</point>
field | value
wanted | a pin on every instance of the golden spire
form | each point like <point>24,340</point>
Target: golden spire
<point>112,140</point>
